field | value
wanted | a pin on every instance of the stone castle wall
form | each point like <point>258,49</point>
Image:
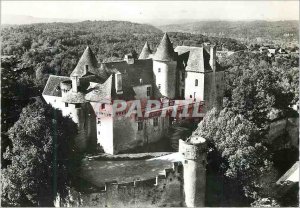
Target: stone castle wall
<point>127,136</point>
<point>164,190</point>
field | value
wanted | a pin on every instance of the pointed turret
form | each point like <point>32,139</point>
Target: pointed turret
<point>165,51</point>
<point>146,51</point>
<point>87,64</point>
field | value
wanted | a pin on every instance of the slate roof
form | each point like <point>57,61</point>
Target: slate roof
<point>165,50</point>
<point>131,75</point>
<point>87,58</point>
<point>52,87</point>
<point>146,51</point>
<point>100,92</point>
<point>196,59</point>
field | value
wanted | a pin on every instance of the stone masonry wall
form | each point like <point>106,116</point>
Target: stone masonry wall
<point>164,190</point>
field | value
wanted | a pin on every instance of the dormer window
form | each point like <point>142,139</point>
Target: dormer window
<point>148,91</point>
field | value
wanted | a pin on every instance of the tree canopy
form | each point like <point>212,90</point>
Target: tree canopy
<point>39,157</point>
<point>239,143</point>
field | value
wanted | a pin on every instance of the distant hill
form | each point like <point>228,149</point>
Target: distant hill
<point>242,30</point>
<point>24,19</point>
<point>107,38</point>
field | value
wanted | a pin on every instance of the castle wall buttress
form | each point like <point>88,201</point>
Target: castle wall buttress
<point>214,90</point>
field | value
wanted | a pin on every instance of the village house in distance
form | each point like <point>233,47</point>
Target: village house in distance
<point>182,73</point>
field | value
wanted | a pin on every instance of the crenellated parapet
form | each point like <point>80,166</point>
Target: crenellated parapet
<point>193,149</point>
<point>163,190</point>
<point>161,179</point>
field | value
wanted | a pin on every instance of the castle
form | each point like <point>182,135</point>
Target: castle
<point>87,96</point>
<point>178,179</point>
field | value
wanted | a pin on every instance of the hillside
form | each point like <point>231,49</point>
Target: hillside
<point>243,30</point>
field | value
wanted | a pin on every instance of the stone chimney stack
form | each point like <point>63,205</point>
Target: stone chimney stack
<point>118,83</point>
<point>194,170</point>
<point>86,69</point>
<point>129,58</point>
<point>75,83</point>
<point>212,59</point>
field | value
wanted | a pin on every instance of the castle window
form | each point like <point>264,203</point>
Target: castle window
<point>99,121</point>
<point>77,105</point>
<point>148,91</point>
<point>66,104</point>
<point>191,96</point>
<point>158,69</point>
<point>140,125</point>
<point>102,105</point>
<point>98,132</point>
<point>155,121</point>
<point>196,82</point>
<point>159,86</point>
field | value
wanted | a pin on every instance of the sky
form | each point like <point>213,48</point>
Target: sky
<point>142,11</point>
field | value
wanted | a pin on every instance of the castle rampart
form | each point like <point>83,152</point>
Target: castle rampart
<point>163,190</point>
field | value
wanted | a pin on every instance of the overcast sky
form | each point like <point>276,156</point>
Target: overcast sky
<point>143,11</point>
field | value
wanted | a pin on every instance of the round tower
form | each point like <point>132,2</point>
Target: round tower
<point>164,68</point>
<point>194,170</point>
<point>75,105</point>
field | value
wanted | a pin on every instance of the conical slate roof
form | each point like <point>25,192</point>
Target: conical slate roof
<point>165,51</point>
<point>146,51</point>
<point>87,58</point>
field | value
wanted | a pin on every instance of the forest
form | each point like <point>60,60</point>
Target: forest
<point>282,31</point>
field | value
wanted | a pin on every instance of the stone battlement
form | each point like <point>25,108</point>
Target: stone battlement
<point>158,180</point>
<point>193,149</point>
<point>163,190</point>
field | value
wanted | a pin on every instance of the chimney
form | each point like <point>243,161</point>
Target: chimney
<point>74,84</point>
<point>86,69</point>
<point>129,59</point>
<point>118,83</point>
<point>212,59</point>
